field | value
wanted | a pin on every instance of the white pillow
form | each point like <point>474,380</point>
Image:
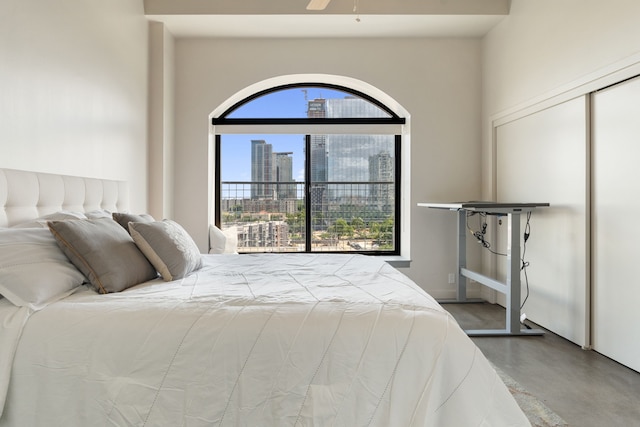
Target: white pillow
<point>34,271</point>
<point>231,245</point>
<point>223,241</point>
<point>98,213</point>
<point>56,216</point>
<point>217,240</point>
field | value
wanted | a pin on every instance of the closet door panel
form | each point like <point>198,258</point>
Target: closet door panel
<point>616,234</point>
<point>542,157</point>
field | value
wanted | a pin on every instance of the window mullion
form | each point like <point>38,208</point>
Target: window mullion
<point>398,190</point>
<point>307,192</point>
<point>217,220</point>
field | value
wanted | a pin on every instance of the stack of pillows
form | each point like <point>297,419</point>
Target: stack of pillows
<point>112,251</point>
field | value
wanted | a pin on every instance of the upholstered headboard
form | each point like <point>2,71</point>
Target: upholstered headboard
<point>28,195</point>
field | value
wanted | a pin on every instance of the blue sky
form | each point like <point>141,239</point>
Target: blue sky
<point>290,103</point>
<point>236,154</point>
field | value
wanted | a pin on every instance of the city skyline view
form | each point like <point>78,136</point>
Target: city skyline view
<point>292,103</point>
<point>344,202</point>
<point>236,152</point>
<point>289,103</point>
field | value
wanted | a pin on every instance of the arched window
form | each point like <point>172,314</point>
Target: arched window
<point>309,168</point>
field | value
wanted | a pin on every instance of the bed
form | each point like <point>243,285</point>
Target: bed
<point>229,340</point>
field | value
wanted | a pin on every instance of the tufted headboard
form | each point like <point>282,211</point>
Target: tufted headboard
<point>28,195</point>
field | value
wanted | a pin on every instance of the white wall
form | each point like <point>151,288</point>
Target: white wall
<point>73,89</point>
<point>545,53</point>
<point>547,47</point>
<point>544,45</point>
<point>436,81</point>
<point>161,112</point>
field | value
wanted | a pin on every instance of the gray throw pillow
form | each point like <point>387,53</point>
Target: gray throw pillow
<point>125,218</point>
<point>104,252</point>
<point>168,246</point>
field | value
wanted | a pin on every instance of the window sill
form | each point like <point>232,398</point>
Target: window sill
<point>397,261</point>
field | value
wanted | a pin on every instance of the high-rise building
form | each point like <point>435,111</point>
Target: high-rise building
<point>318,158</point>
<point>268,170</point>
<point>343,158</point>
<point>283,173</point>
<point>348,154</point>
<point>352,107</point>
<point>261,169</point>
<point>381,171</point>
<point>319,168</point>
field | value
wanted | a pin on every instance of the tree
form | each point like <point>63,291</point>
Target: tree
<point>296,224</point>
<point>341,228</point>
<point>386,233</point>
<point>382,233</point>
<point>359,226</point>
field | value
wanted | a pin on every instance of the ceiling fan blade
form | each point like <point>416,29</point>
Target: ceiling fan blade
<point>317,4</point>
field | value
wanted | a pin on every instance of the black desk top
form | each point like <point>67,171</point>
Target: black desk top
<point>482,206</point>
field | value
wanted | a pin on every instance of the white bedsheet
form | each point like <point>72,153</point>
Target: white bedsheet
<point>12,321</point>
<point>255,340</point>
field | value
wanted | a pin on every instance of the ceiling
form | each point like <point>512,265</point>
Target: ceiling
<point>342,18</point>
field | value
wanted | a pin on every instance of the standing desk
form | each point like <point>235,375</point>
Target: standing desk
<point>511,287</point>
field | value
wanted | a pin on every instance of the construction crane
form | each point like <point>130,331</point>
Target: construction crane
<point>306,100</point>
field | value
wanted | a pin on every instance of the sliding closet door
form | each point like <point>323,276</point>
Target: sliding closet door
<point>542,157</point>
<point>616,231</point>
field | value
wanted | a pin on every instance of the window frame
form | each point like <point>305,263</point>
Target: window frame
<point>393,119</point>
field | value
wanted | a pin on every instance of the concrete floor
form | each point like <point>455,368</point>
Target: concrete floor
<point>584,387</point>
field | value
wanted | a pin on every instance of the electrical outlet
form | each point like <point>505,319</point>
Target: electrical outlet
<point>452,278</point>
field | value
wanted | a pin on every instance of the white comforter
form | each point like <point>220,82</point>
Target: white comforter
<point>253,340</point>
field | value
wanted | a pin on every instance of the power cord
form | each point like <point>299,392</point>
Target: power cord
<point>480,236</point>
<point>525,264</point>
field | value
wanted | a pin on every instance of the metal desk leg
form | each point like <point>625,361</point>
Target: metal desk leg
<point>461,287</point>
<point>461,292</point>
<point>511,287</point>
<point>513,273</point>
